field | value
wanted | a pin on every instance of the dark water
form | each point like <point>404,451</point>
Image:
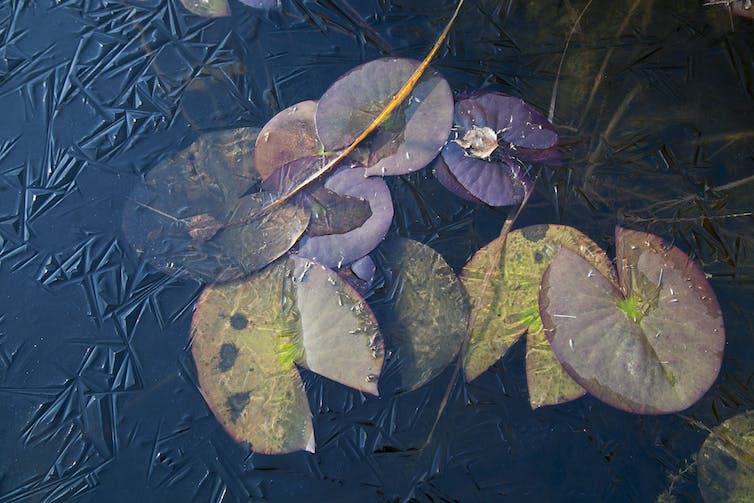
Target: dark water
<point>655,106</point>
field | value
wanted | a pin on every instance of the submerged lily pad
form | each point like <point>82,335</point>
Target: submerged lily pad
<point>288,136</point>
<point>508,305</point>
<point>207,8</point>
<point>248,336</point>
<point>414,133</point>
<point>652,345</point>
<point>245,339</point>
<point>426,312</point>
<point>261,4</point>
<point>725,465</point>
<point>191,214</point>
<point>334,248</point>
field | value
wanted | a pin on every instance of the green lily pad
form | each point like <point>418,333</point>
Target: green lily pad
<point>191,213</point>
<point>341,338</point>
<point>652,345</point>
<point>426,312</point>
<point>245,340</point>
<point>509,305</point>
<point>207,8</point>
<point>249,335</point>
<point>725,465</point>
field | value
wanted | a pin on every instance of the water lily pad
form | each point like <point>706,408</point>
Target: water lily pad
<point>340,335</point>
<point>508,306</point>
<point>337,248</point>
<point>207,8</point>
<point>261,4</point>
<point>449,181</point>
<point>518,130</point>
<point>288,136</point>
<point>248,336</point>
<point>426,313</point>
<point>191,214</point>
<point>494,135</point>
<point>245,339</point>
<point>725,465</point>
<point>497,183</point>
<point>651,344</point>
<point>410,138</point>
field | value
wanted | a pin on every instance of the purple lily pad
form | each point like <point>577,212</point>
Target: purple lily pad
<point>521,132</point>
<point>501,183</point>
<point>360,274</point>
<point>450,182</point>
<point>493,137</point>
<point>652,345</point>
<point>334,250</point>
<point>288,136</point>
<point>410,138</point>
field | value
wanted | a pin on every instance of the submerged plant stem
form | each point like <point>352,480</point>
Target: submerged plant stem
<point>497,253</point>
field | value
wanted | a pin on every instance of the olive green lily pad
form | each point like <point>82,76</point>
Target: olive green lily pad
<point>191,213</point>
<point>725,465</point>
<point>245,340</point>
<point>652,344</point>
<point>426,313</point>
<point>508,305</point>
<point>249,335</point>
<point>207,8</point>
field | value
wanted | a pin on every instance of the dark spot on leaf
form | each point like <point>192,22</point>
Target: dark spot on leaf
<point>538,257</point>
<point>228,355</point>
<point>238,321</point>
<point>236,403</point>
<point>534,232</point>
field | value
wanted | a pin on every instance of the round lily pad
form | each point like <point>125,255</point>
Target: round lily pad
<point>288,136</point>
<point>191,214</point>
<point>651,344</point>
<point>413,134</point>
<point>449,181</point>
<point>507,306</point>
<point>248,335</point>
<point>261,4</point>
<point>245,339</point>
<point>341,338</point>
<point>725,464</point>
<point>497,183</point>
<point>426,312</point>
<point>517,129</point>
<point>494,135</point>
<point>336,247</point>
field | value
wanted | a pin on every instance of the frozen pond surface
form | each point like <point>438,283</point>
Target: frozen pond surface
<point>654,105</point>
